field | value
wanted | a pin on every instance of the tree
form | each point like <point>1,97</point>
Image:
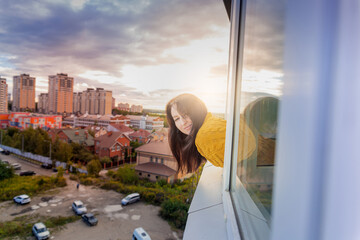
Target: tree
<point>6,171</point>
<point>105,159</point>
<point>94,167</point>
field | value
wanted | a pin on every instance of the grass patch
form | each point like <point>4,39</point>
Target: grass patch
<point>29,185</point>
<point>21,226</point>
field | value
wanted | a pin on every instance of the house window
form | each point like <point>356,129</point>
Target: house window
<point>151,158</point>
<point>259,79</point>
<point>162,161</point>
<point>157,177</point>
<point>148,175</point>
<point>156,160</point>
<point>113,149</point>
<point>140,173</point>
<point>118,148</point>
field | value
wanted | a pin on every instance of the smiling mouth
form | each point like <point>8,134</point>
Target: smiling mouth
<point>188,127</point>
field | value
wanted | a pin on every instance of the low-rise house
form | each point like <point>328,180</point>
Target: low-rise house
<point>155,161</point>
<point>98,130</point>
<point>80,136</point>
<point>112,145</point>
<point>120,128</point>
<point>141,136</point>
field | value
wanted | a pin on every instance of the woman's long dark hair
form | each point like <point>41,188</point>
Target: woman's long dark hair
<point>182,145</point>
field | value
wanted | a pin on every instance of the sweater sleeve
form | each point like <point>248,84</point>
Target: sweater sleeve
<point>210,140</point>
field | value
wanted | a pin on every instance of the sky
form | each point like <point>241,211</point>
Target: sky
<point>145,51</point>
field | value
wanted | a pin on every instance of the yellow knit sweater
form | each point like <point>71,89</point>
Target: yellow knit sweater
<point>210,140</point>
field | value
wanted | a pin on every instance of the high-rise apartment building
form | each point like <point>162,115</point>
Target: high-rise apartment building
<point>23,93</point>
<point>93,101</point>
<point>123,107</point>
<point>61,93</point>
<point>3,96</point>
<point>43,103</point>
<point>136,108</point>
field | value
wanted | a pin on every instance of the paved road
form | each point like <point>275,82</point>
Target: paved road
<point>25,165</point>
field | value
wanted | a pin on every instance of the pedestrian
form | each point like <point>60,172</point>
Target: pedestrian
<point>77,186</point>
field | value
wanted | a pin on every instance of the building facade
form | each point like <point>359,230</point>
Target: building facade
<point>123,107</point>
<point>61,94</point>
<point>93,101</point>
<point>43,103</point>
<point>146,122</point>
<point>95,120</point>
<point>23,93</point>
<point>23,120</point>
<point>155,161</point>
<point>3,96</point>
<point>136,108</point>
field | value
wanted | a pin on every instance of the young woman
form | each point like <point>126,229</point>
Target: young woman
<point>196,135</point>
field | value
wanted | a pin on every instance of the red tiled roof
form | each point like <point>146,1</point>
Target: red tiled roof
<point>155,168</point>
<point>140,133</point>
<point>122,128</point>
<point>159,147</point>
<point>108,140</point>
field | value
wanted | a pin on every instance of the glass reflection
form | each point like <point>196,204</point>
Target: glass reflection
<point>261,89</point>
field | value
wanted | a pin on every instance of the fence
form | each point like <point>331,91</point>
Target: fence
<point>38,158</point>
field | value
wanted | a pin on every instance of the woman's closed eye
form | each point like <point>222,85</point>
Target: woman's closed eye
<point>176,119</point>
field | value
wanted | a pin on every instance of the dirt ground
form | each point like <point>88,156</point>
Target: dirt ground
<point>114,221</point>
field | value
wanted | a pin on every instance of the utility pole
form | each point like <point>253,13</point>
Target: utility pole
<point>1,135</point>
<point>22,142</point>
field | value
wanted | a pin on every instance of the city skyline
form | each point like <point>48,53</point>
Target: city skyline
<point>145,52</point>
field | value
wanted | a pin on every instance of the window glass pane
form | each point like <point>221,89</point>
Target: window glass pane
<point>257,108</point>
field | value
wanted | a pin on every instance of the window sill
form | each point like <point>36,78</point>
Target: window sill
<point>206,219</point>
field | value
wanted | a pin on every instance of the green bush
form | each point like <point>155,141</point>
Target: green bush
<point>127,175</point>
<point>175,212</point>
<point>94,167</point>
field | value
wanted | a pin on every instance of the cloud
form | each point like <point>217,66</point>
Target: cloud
<point>219,71</point>
<point>100,35</point>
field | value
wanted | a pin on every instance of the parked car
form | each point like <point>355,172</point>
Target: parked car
<point>27,173</point>
<point>79,207</point>
<point>16,166</point>
<point>6,152</point>
<point>22,199</point>
<point>46,166</point>
<point>131,198</point>
<point>140,234</point>
<point>90,219</point>
<point>40,231</point>
<point>5,162</point>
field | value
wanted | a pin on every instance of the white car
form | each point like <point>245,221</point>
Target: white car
<point>140,234</point>
<point>16,166</point>
<point>79,207</point>
<point>131,198</point>
<point>22,199</point>
<point>40,231</point>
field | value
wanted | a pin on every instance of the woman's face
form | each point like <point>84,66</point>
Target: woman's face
<point>182,122</point>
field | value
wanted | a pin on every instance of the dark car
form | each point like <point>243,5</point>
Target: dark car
<point>46,166</point>
<point>27,173</point>
<point>6,152</point>
<point>90,219</point>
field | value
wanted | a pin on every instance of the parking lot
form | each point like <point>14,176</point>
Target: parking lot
<point>115,221</point>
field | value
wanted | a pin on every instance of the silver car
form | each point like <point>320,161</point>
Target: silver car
<point>40,231</point>
<point>131,198</point>
<point>79,208</point>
